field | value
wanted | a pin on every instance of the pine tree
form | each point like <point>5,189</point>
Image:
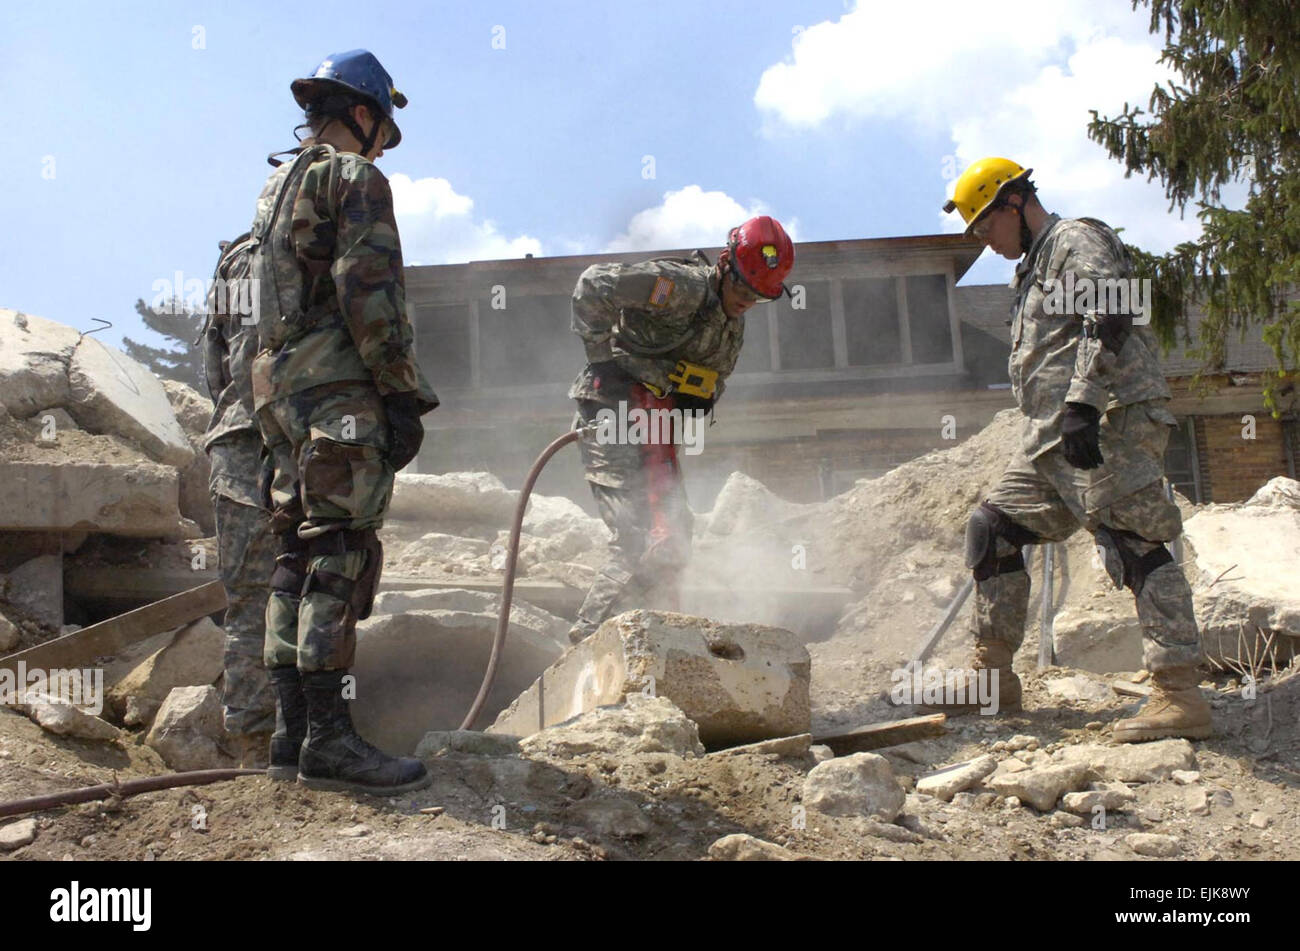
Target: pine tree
<point>180,323</point>
<point>1233,115</point>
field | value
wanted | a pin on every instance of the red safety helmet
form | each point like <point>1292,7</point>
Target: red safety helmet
<point>760,256</point>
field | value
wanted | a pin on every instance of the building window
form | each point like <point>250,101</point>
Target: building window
<point>804,337</point>
<point>871,322</point>
<point>1181,465</point>
<point>442,343</point>
<point>528,341</point>
<point>928,319</point>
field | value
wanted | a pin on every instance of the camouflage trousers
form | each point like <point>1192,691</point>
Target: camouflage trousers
<point>246,549</point>
<point>1052,499</point>
<point>329,445</point>
<point>640,496</point>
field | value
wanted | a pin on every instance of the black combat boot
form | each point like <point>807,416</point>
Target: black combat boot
<point>335,758</point>
<point>290,723</point>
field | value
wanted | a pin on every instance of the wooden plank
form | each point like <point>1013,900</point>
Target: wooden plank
<point>80,648</point>
<point>876,736</point>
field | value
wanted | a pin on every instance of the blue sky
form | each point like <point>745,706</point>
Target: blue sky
<point>137,132</point>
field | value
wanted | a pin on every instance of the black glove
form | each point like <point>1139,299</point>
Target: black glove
<point>689,404</point>
<point>1080,431</point>
<point>405,431</point>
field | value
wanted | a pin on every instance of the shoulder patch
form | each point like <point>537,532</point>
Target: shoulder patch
<point>661,292</point>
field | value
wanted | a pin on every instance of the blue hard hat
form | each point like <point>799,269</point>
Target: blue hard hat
<point>357,71</point>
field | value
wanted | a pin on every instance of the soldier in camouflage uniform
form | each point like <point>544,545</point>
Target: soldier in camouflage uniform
<point>1086,377</point>
<point>338,397</point>
<point>659,335</point>
<point>246,546</point>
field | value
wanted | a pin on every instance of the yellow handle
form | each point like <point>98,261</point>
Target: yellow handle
<point>692,379</point>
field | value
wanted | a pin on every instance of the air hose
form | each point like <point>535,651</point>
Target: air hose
<point>508,585</point>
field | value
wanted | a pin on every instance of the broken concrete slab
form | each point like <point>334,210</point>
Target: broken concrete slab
<point>639,725</point>
<point>193,658</point>
<point>140,500</point>
<point>1078,689</point>
<point>741,847</point>
<point>9,635</point>
<point>36,588</point>
<point>435,549</point>
<point>471,742</point>
<point>859,785</point>
<point>34,358</point>
<point>193,411</point>
<point>947,782</point>
<point>454,499</point>
<point>475,605</point>
<point>1101,635</point>
<point>781,746</point>
<point>740,682</point>
<point>187,731</point>
<point>1108,796</point>
<point>420,670</point>
<point>1040,786</point>
<point>1132,763</point>
<point>744,504</point>
<point>1239,581</point>
<point>64,719</point>
<point>109,392</point>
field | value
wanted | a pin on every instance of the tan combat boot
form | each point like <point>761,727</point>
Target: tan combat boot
<point>961,695</point>
<point>1175,708</point>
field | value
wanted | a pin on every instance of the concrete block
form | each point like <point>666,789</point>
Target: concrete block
<point>740,683</point>
<point>111,393</point>
<point>34,358</point>
<point>118,499</point>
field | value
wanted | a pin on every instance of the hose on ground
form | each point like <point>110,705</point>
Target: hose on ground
<point>508,585</point>
<point>197,777</point>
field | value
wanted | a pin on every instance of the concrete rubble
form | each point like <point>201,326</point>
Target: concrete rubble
<point>862,784</point>
<point>187,730</point>
<point>739,683</point>
<point>193,658</point>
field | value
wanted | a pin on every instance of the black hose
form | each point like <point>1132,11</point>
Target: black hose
<point>197,777</point>
<point>508,586</point>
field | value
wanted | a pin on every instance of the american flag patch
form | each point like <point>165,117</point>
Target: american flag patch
<point>663,290</point>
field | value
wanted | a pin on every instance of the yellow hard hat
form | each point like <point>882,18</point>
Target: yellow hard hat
<point>980,185</point>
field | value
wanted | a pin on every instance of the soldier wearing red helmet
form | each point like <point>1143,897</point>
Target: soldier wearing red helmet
<point>659,335</point>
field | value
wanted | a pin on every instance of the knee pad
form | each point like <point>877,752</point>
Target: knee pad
<point>360,594</point>
<point>1121,554</point>
<point>290,572</point>
<point>986,525</point>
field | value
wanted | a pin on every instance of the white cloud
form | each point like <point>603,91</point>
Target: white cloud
<point>688,218</point>
<point>438,226</point>
<point>1019,84</point>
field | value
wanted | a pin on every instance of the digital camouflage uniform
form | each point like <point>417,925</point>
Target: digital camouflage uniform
<point>1053,361</point>
<point>319,395</point>
<point>637,321</point>
<point>246,547</point>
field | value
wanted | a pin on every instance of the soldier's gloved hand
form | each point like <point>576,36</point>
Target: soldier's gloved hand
<point>1080,433</point>
<point>405,431</point>
<point>688,403</point>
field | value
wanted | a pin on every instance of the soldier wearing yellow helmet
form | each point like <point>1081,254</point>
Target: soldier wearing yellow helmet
<point>1084,372</point>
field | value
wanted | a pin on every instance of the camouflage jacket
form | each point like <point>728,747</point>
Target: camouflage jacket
<point>229,345</point>
<point>342,239</point>
<point>645,317</point>
<point>1053,361</point>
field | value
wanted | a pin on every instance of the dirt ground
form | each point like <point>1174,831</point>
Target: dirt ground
<point>662,806</point>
